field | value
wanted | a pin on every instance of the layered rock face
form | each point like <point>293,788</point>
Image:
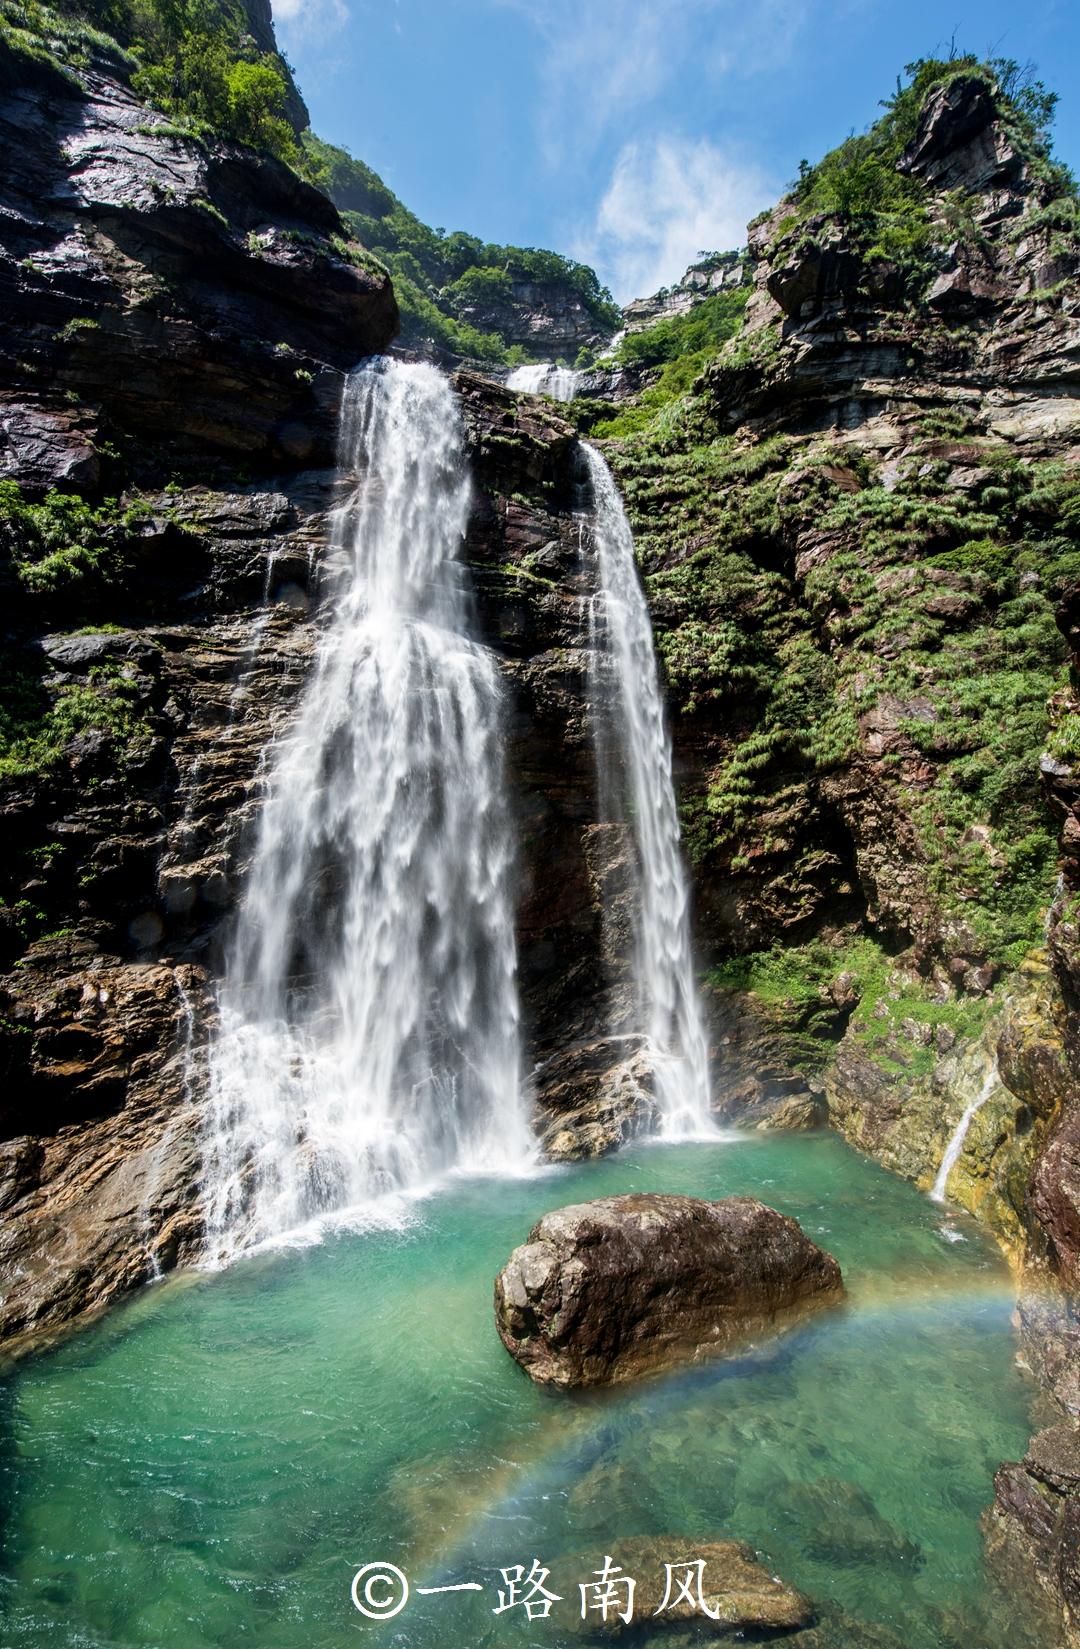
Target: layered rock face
<point>158,335</point>
<point>856,534</point>
<point>549,319</point>
<point>718,273</point>
<point>605,1291</point>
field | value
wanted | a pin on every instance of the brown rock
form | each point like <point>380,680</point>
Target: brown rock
<point>1053,1456</point>
<point>608,1290</point>
<point>736,1593</point>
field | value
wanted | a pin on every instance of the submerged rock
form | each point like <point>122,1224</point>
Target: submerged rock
<point>604,1291</point>
<point>726,1590</point>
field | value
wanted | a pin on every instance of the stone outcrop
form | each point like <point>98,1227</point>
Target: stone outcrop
<point>157,292</point>
<point>126,853</point>
<point>550,319</point>
<point>738,1595</point>
<point>606,1291</point>
<point>1035,1520</point>
<point>718,273</point>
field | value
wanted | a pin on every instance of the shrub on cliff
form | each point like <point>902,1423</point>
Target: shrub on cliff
<point>193,59</point>
<point>886,211</point>
<point>199,65</point>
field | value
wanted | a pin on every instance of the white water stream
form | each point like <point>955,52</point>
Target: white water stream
<point>960,1133</point>
<point>635,786</point>
<point>560,382</point>
<point>368,1036</point>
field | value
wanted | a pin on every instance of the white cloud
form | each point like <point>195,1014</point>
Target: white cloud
<point>668,200</point>
<point>605,59</point>
<point>308,21</point>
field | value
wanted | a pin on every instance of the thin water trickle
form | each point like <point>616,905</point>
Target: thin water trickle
<point>368,1036</point>
<point>960,1133</point>
<point>633,754</point>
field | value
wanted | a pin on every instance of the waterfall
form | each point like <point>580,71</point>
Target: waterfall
<point>960,1133</point>
<point>635,790</point>
<point>545,379</point>
<point>368,1036</point>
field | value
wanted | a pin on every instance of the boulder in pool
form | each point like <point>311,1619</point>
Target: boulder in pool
<point>606,1291</point>
<point>716,1587</point>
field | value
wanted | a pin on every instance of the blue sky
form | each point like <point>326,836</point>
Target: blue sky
<point>630,133</point>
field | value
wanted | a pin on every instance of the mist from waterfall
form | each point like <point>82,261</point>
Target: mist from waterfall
<point>368,1037</point>
<point>560,382</point>
<point>636,791</point>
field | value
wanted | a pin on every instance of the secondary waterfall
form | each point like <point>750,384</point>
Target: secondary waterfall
<point>635,788</point>
<point>545,379</point>
<point>960,1133</point>
<point>368,1033</point>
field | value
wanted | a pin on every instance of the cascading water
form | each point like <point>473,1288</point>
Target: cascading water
<point>635,787</point>
<point>960,1133</point>
<point>544,379</point>
<point>368,1033</point>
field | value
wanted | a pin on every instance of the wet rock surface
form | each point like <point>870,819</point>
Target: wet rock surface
<point>609,1290</point>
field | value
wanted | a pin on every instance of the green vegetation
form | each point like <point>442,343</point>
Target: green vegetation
<point>57,39</point>
<point>440,278</point>
<point>700,331</point>
<point>37,724</point>
<point>929,606</point>
<point>885,212</point>
<point>679,347</point>
<point>193,59</point>
<point>196,61</point>
<point>811,992</point>
<point>63,545</point>
<point>816,607</point>
<point>198,68</point>
<point>62,558</point>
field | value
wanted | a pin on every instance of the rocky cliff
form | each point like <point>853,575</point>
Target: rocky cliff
<point>717,272</point>
<point>169,420</point>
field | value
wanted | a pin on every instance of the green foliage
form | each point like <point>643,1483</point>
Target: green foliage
<point>893,1014</point>
<point>422,318</point>
<point>62,545</point>
<point>703,328</point>
<point>198,68</point>
<point>37,724</point>
<point>481,285</point>
<point>58,39</point>
<point>1064,740</point>
<point>438,277</point>
<point>884,211</point>
<point>193,59</point>
<point>353,186</point>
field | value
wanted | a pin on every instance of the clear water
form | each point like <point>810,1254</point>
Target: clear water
<point>210,1464</point>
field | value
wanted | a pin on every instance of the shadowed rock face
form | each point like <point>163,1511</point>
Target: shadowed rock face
<point>198,299</point>
<point>604,1291</point>
<point>1034,1524</point>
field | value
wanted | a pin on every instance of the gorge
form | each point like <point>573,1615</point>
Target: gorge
<point>419,783</point>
